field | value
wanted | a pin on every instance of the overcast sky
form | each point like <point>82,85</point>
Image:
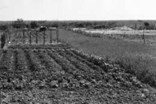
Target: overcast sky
<point>77,9</point>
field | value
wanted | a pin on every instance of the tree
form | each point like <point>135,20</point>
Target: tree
<point>19,24</point>
<point>33,24</point>
<point>111,24</point>
<point>146,25</point>
<point>3,27</point>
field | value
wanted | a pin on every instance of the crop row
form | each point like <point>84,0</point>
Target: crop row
<point>25,68</point>
<point>55,67</point>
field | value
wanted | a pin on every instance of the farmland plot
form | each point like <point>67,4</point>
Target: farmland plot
<point>60,74</point>
<point>128,35</point>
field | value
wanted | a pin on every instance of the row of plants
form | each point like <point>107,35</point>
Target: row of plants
<point>52,67</point>
<point>78,61</point>
<point>86,70</point>
<point>82,59</point>
<point>5,74</point>
<point>17,74</point>
<point>90,77</point>
<point>48,62</point>
<point>59,76</point>
<point>36,46</point>
<point>20,70</point>
<point>65,70</point>
<point>80,78</point>
<point>137,66</point>
<point>5,60</point>
<point>115,70</point>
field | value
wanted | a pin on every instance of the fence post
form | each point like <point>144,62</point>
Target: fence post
<point>9,36</point>
<point>57,33</point>
<point>44,37</point>
<point>143,36</point>
<point>29,37</point>
<point>6,36</point>
<point>36,37</point>
<point>15,37</point>
<point>50,35</point>
<point>3,39</point>
<point>23,36</point>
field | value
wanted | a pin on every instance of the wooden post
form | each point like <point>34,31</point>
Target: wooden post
<point>44,37</point>
<point>50,35</point>
<point>9,36</point>
<point>16,34</point>
<point>6,36</point>
<point>57,34</point>
<point>23,37</point>
<point>36,38</point>
<point>143,36</point>
<point>5,39</point>
<point>30,37</point>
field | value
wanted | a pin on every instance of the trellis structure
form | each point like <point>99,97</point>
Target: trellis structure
<point>57,34</point>
<point>32,36</point>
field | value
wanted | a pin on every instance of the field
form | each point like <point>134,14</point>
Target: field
<point>62,74</point>
<point>136,57</point>
<point>124,33</point>
<point>106,46</point>
<point>119,30</point>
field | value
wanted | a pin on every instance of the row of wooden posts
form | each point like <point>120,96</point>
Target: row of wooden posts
<point>36,33</point>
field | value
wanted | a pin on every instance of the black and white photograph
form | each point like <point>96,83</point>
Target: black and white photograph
<point>77,52</point>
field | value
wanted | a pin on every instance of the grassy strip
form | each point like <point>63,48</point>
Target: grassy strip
<point>143,67</point>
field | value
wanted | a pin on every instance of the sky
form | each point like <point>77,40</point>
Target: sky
<point>78,9</point>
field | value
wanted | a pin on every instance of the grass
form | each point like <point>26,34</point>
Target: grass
<point>142,66</point>
<point>137,58</point>
<point>106,46</point>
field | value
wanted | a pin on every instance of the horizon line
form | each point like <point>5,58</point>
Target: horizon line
<point>83,20</point>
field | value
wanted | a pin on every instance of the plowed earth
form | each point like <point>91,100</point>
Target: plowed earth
<point>58,74</point>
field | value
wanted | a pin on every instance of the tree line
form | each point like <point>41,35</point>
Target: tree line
<point>20,23</point>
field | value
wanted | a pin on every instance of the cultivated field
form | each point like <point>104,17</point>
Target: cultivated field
<point>45,73</point>
<point>60,74</point>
